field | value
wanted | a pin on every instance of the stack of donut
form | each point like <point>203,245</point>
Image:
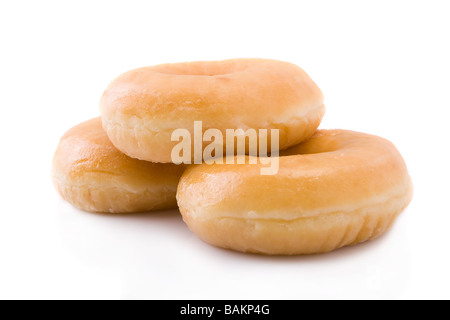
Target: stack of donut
<point>333,188</point>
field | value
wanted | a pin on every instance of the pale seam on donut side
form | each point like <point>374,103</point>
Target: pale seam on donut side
<point>298,213</point>
<point>152,125</point>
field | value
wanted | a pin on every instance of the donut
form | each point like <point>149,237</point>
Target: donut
<point>338,188</point>
<point>142,108</point>
<point>92,175</point>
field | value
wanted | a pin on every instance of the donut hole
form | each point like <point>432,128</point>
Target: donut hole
<point>314,145</point>
<point>198,69</point>
<point>203,73</point>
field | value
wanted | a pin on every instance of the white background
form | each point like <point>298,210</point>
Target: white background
<point>383,67</point>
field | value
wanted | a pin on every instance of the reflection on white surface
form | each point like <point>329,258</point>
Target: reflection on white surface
<point>154,255</point>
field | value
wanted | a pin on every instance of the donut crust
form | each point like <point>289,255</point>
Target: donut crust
<point>92,175</point>
<point>337,189</point>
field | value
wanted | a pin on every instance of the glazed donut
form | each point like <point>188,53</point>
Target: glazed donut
<point>94,176</point>
<point>338,188</point>
<point>141,108</point>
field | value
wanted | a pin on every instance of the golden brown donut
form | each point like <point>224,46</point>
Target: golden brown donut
<point>141,108</point>
<point>94,176</point>
<point>338,188</point>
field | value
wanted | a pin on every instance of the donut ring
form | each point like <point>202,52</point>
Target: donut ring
<point>94,176</point>
<point>141,108</point>
<point>337,189</point>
